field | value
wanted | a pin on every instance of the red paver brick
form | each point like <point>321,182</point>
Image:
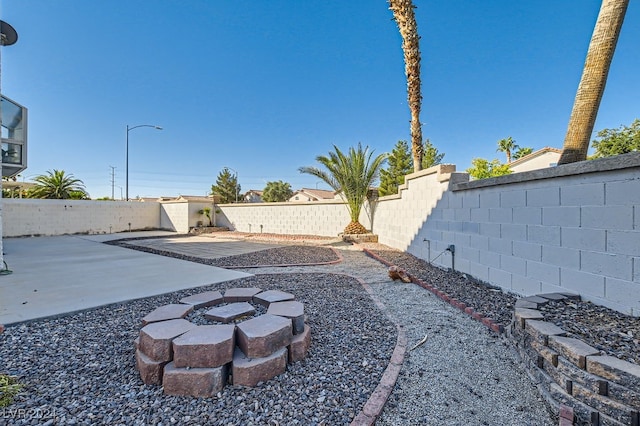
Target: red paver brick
<point>300,345</point>
<point>206,346</point>
<point>228,313</point>
<point>263,335</point>
<point>293,310</point>
<point>200,300</point>
<point>249,371</point>
<point>240,294</point>
<point>198,382</point>
<point>266,298</point>
<point>156,338</point>
<point>167,312</point>
<point>150,371</point>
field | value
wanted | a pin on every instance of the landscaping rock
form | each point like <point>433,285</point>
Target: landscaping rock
<point>200,300</point>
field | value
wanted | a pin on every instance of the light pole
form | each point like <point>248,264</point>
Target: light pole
<point>236,186</point>
<point>127,161</point>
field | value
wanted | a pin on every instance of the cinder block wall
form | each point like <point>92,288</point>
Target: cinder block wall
<point>26,217</point>
<point>313,218</point>
<point>570,228</point>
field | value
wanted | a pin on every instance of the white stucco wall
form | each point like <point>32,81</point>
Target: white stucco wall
<point>25,217</point>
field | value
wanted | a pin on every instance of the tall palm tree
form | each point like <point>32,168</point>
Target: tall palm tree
<point>351,175</point>
<point>405,17</point>
<point>507,145</point>
<point>58,185</point>
<point>594,77</point>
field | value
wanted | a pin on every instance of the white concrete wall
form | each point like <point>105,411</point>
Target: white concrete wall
<point>180,216</point>
<point>326,218</point>
<point>25,217</point>
<point>572,228</point>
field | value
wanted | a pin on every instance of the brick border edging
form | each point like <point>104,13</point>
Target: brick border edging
<point>374,405</point>
<point>573,377</point>
<point>469,310</point>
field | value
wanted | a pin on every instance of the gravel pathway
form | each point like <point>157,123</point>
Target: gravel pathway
<point>463,374</point>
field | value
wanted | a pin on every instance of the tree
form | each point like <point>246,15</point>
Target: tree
<point>350,175</point>
<point>507,145</point>
<point>58,185</point>
<point>482,169</point>
<point>594,78</point>
<point>399,165</point>
<point>431,157</point>
<point>521,152</point>
<point>403,14</point>
<point>226,187</point>
<point>617,141</point>
<point>277,192</point>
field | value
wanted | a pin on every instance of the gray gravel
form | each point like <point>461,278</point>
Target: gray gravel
<point>81,367</point>
<point>463,374</point>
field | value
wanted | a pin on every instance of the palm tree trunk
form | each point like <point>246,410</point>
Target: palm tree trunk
<point>594,77</point>
<point>405,17</point>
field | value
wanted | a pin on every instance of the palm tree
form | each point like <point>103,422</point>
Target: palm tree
<point>351,175</point>
<point>405,17</point>
<point>594,77</point>
<point>56,185</point>
<point>507,146</point>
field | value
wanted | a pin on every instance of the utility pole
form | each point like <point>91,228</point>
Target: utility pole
<point>113,180</point>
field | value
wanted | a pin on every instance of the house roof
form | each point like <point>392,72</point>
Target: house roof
<point>320,194</point>
<point>535,154</point>
<point>254,191</point>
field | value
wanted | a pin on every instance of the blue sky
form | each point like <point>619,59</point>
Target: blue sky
<point>263,87</point>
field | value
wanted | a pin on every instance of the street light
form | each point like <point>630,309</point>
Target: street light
<point>127,162</point>
<point>236,185</point>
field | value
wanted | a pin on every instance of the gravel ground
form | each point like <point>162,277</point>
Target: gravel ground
<point>462,374</point>
<point>607,330</point>
<point>81,367</point>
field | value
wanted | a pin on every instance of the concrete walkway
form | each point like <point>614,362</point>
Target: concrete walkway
<point>56,275</point>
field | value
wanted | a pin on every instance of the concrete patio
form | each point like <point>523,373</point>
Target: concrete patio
<point>56,275</point>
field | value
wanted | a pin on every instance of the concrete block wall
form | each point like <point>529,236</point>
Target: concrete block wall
<point>398,218</point>
<point>29,217</point>
<point>313,218</point>
<point>570,228</point>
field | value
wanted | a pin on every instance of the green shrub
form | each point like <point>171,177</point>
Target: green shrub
<point>9,388</point>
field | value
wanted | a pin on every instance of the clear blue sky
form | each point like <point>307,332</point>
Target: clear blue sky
<point>263,87</point>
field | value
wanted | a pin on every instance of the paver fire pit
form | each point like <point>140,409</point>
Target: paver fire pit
<point>199,360</point>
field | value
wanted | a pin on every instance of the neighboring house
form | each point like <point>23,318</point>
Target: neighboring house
<point>305,195</point>
<point>192,198</point>
<point>540,159</point>
<point>253,196</point>
<point>14,137</point>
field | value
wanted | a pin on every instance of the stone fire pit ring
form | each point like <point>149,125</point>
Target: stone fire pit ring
<point>242,347</point>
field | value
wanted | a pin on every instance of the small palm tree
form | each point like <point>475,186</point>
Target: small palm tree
<point>58,185</point>
<point>507,146</point>
<point>351,175</point>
